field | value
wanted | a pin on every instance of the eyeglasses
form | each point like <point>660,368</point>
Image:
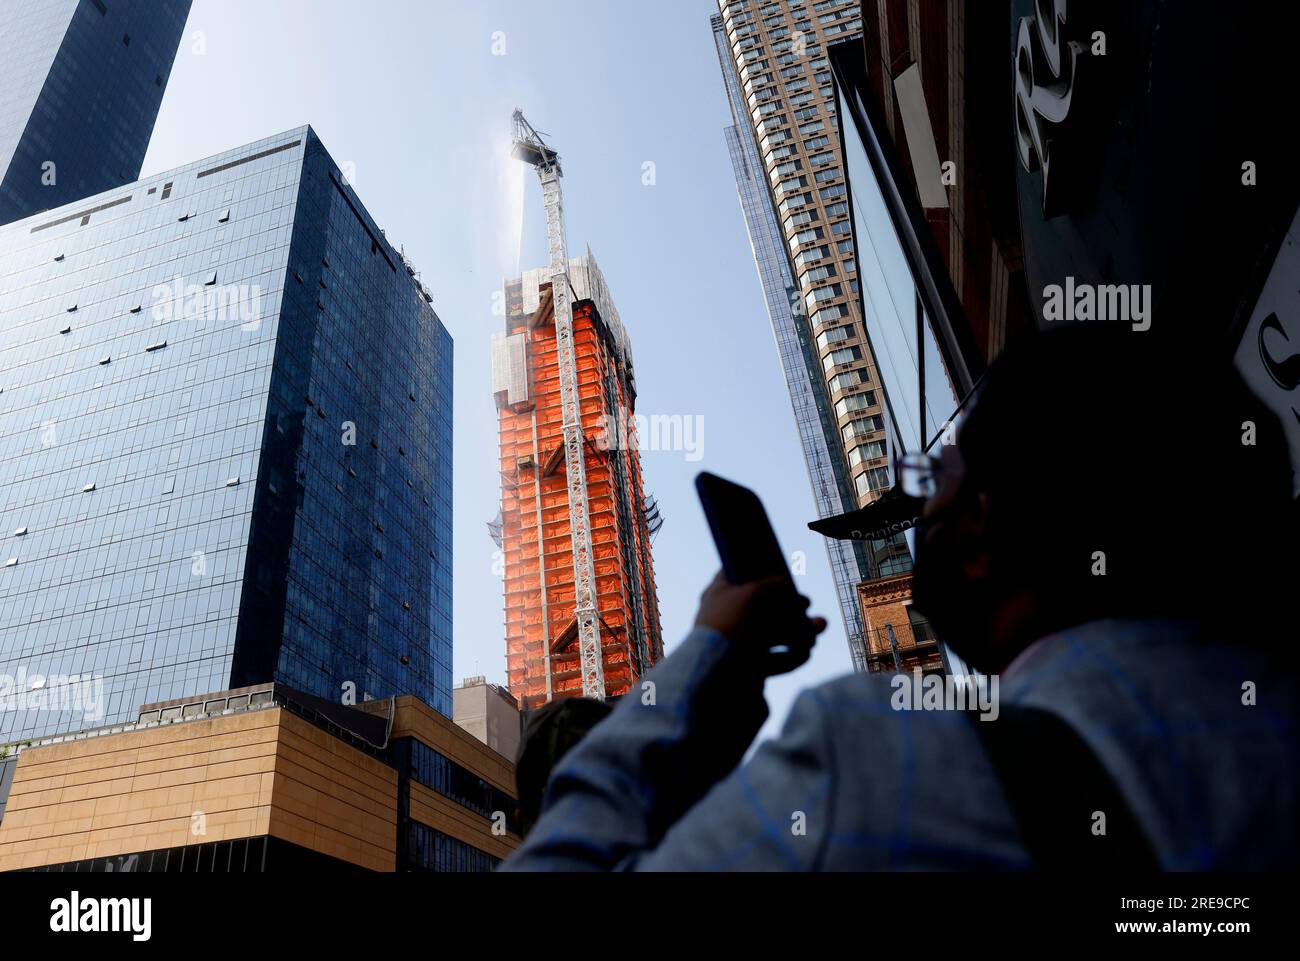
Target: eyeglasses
<point>918,474</point>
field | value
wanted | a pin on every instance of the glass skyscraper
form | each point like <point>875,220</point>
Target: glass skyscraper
<point>225,428</point>
<point>784,149</point>
<point>80,86</point>
<point>818,437</point>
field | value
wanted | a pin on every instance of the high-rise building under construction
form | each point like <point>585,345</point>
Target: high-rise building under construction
<point>539,505</point>
<point>788,161</point>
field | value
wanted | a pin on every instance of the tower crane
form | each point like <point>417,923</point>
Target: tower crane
<point>529,147</point>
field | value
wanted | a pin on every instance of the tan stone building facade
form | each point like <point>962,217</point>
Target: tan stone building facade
<point>490,713</point>
<point>260,779</point>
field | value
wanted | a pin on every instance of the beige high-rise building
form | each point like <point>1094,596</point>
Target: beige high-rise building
<point>790,176</point>
<point>778,50</point>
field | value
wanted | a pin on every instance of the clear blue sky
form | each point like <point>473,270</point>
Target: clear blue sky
<point>411,93</point>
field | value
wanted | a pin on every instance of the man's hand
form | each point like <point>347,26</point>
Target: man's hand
<point>759,616</point>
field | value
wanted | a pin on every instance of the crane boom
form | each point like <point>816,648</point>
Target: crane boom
<point>532,149</point>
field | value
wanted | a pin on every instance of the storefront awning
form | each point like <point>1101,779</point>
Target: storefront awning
<point>893,513</point>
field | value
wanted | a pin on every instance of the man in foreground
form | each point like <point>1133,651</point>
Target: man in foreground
<point>1112,534</point>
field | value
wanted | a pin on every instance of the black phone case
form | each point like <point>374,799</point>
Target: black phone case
<point>746,542</point>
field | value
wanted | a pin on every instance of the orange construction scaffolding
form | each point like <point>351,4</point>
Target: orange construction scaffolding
<point>541,630</point>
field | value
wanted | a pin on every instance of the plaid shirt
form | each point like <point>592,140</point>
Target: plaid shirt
<point>853,784</point>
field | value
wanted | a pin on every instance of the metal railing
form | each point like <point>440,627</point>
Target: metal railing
<point>889,646</point>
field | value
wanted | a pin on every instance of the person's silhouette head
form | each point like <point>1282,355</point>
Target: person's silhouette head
<point>1102,472</point>
<point>550,732</point>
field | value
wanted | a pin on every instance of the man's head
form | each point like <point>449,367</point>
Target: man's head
<point>1101,472</point>
<point>550,732</point>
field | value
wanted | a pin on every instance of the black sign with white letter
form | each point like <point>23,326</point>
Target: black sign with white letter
<point>1151,146</point>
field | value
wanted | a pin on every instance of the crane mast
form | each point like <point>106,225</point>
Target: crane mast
<point>532,149</point>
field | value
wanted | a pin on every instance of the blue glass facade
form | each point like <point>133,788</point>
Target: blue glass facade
<point>429,850</point>
<point>80,86</point>
<point>453,781</point>
<point>225,435</point>
<point>886,283</point>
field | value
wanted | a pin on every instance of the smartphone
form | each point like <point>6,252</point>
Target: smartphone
<point>750,552</point>
<point>743,534</point>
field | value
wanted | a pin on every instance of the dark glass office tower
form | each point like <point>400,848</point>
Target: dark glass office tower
<point>80,86</point>
<point>225,447</point>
